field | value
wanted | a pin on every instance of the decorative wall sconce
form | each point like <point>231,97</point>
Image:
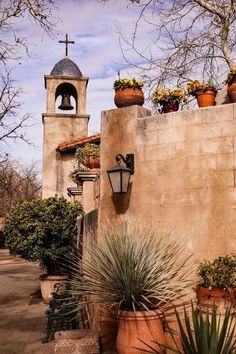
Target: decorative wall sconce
<point>119,175</point>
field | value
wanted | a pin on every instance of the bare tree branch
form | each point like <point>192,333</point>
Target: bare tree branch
<point>12,11</point>
<point>188,39</point>
<point>10,122</point>
<point>17,183</point>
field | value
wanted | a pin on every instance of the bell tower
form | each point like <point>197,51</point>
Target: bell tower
<point>65,120</point>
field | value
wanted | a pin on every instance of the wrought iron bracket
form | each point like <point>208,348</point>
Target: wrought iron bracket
<point>128,161</point>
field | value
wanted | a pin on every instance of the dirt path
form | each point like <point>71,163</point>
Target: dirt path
<point>22,312</point>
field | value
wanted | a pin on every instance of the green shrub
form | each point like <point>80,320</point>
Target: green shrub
<point>42,230</point>
<point>218,274</point>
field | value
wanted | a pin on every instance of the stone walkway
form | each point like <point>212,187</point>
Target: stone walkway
<point>22,312</point>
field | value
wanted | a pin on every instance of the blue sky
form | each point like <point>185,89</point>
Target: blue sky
<point>93,27</point>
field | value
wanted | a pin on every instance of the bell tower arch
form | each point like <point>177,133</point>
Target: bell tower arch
<point>60,124</point>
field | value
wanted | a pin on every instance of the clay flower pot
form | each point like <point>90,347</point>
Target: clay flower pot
<point>144,325</point>
<point>206,99</point>
<point>47,283</point>
<point>170,107</point>
<point>129,97</point>
<point>231,90</point>
<point>91,162</point>
<point>219,298</point>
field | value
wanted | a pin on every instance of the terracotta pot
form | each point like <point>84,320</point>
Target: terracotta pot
<point>144,325</point>
<point>206,99</point>
<point>216,297</point>
<point>92,162</point>
<point>231,90</point>
<point>47,283</point>
<point>170,107</point>
<point>129,97</point>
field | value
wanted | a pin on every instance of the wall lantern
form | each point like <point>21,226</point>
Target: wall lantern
<point>119,175</point>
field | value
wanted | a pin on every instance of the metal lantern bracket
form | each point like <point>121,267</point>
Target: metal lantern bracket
<point>128,160</point>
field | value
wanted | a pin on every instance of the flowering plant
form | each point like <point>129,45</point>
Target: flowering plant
<point>121,84</point>
<point>195,87</point>
<point>177,95</point>
<point>231,75</point>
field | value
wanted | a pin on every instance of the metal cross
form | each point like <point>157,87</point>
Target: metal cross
<point>66,43</point>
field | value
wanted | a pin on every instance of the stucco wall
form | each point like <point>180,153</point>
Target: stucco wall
<point>59,128</point>
<point>184,178</point>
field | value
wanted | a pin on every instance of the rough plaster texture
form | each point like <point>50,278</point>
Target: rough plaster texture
<point>57,167</point>
<point>185,174</point>
<point>88,198</point>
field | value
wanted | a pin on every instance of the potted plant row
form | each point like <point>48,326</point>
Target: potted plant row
<point>129,92</point>
<point>42,231</point>
<point>136,276</point>
<point>208,326</point>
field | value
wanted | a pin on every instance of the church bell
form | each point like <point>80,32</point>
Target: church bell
<point>65,103</point>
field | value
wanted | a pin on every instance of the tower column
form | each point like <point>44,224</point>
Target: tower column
<point>65,81</point>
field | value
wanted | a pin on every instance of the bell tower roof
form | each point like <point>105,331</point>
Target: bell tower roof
<point>66,67</point>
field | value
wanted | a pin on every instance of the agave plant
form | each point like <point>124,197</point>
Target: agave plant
<point>131,268</point>
<point>204,332</point>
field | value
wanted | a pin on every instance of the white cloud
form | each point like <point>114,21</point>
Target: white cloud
<point>96,52</point>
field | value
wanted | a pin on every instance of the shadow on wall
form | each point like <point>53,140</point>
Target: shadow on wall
<point>121,201</point>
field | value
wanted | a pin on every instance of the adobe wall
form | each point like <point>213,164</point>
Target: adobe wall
<point>59,128</point>
<point>184,180</point>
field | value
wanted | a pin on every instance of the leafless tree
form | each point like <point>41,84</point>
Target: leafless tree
<point>188,39</point>
<point>10,123</point>
<point>17,183</point>
<point>11,12</point>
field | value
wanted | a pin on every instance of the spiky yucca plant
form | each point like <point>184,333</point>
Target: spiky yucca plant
<point>203,332</point>
<point>131,268</point>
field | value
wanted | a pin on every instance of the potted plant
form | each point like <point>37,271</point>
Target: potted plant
<point>231,81</point>
<point>43,230</point>
<point>135,275</point>
<point>128,92</point>
<point>202,332</point>
<point>204,92</point>
<point>88,157</point>
<point>217,285</point>
<point>168,100</point>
